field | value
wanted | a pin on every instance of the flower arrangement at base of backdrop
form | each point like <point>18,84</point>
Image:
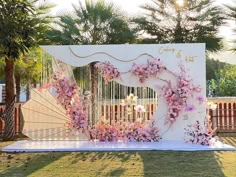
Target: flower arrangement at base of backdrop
<point>203,135</point>
<point>176,96</point>
<point>138,131</point>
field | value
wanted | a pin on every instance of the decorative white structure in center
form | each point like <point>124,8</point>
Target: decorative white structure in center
<point>192,56</point>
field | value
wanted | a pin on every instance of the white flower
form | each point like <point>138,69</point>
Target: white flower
<point>131,97</point>
<point>140,108</point>
<point>211,105</point>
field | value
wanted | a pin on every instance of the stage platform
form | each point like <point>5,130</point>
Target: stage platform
<point>82,146</point>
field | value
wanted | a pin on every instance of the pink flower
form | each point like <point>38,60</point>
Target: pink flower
<point>108,71</point>
<point>190,108</point>
<point>151,69</point>
<point>201,98</point>
<point>196,134</point>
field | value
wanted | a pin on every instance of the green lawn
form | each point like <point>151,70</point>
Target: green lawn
<point>146,163</point>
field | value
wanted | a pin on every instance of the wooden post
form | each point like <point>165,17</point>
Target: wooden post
<point>215,118</point>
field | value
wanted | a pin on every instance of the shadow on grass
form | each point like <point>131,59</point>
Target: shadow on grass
<point>184,164</point>
<point>154,163</point>
<point>24,164</point>
<point>141,163</point>
<point>93,156</point>
<point>117,172</point>
<point>106,163</point>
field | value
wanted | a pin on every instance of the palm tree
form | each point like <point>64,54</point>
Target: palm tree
<point>181,21</point>
<point>19,24</point>
<point>95,23</point>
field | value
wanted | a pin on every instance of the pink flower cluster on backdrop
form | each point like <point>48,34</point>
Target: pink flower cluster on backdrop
<point>196,134</point>
<point>177,96</point>
<point>107,70</point>
<point>71,98</point>
<point>65,90</point>
<point>151,69</point>
<point>204,135</point>
<point>138,132</point>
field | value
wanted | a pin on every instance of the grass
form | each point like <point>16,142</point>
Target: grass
<point>144,163</point>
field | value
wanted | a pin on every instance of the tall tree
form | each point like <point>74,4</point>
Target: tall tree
<point>213,68</point>
<point>181,21</point>
<point>232,16</point>
<point>96,22</point>
<point>225,84</point>
<point>28,70</point>
<point>2,67</point>
<point>19,24</point>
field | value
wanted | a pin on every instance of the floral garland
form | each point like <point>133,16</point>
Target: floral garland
<point>71,98</point>
<point>175,96</point>
<point>142,132</point>
<point>144,71</point>
<point>65,90</point>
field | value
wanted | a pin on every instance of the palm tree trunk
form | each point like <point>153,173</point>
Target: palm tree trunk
<point>18,88</point>
<point>27,91</point>
<point>35,84</point>
<point>93,89</point>
<point>9,131</point>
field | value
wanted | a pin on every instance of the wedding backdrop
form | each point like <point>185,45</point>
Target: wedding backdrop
<point>123,94</point>
<point>177,68</point>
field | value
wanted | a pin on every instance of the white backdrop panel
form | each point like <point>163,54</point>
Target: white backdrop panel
<point>123,56</point>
